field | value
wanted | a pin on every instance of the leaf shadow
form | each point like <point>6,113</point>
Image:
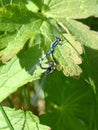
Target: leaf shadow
<point>29,58</point>
<point>90,63</point>
<point>91,21</point>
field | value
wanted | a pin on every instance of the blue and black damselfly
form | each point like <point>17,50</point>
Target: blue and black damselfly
<point>51,66</point>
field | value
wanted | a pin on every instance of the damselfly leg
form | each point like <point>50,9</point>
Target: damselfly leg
<point>51,65</point>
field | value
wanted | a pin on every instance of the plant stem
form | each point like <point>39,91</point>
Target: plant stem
<point>6,118</point>
<point>2,3</point>
<point>11,1</point>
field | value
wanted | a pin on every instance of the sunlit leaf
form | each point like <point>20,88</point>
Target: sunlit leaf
<point>21,120</point>
<point>89,39</point>
<point>18,71</point>
<point>71,8</point>
<point>67,54</point>
<point>19,25</point>
<point>83,34</point>
<point>71,104</point>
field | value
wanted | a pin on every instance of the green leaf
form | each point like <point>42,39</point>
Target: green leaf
<point>38,3</point>
<point>21,120</point>
<point>18,71</point>
<point>68,102</point>
<point>31,6</point>
<point>68,57</point>
<point>71,9</point>
<point>89,39</point>
<point>19,25</point>
<point>21,32</point>
<point>83,34</point>
<point>67,54</point>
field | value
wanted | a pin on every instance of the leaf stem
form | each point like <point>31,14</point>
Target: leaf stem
<point>6,117</point>
<point>2,3</point>
<point>11,1</point>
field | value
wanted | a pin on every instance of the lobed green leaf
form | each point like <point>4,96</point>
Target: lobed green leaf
<point>18,71</point>
<point>21,120</point>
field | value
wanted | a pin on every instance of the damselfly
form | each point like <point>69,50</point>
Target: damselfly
<point>49,69</point>
<point>51,65</point>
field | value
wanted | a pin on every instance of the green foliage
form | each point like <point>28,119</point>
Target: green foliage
<point>21,120</point>
<point>17,67</point>
<point>68,104</point>
<point>27,30</point>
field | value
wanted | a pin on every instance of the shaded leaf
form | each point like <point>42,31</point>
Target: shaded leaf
<point>69,103</point>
